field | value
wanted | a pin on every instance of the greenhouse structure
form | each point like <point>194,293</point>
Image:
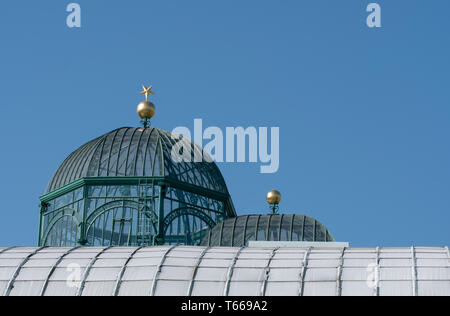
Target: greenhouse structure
<point>121,217</point>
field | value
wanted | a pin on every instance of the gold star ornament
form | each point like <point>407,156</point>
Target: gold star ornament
<point>147,91</point>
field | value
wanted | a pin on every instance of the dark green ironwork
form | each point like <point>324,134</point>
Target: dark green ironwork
<point>274,208</point>
<point>123,188</point>
<point>145,122</point>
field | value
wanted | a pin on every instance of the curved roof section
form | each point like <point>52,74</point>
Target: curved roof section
<point>137,152</point>
<point>237,231</point>
<point>185,271</point>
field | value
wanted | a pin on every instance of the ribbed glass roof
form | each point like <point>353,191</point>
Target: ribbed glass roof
<point>236,232</point>
<point>204,271</point>
<point>137,152</point>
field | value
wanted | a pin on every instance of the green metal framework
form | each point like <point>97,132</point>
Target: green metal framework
<point>124,189</point>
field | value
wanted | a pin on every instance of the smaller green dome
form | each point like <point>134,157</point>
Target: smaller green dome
<point>238,231</point>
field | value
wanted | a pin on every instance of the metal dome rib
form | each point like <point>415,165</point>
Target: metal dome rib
<point>136,152</point>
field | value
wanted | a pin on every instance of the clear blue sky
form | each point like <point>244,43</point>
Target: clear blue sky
<point>364,114</point>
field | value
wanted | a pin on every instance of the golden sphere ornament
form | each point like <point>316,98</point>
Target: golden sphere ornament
<point>274,197</point>
<point>146,109</point>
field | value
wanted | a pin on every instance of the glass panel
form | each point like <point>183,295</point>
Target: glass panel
<point>33,274</point>
<point>26,288</point>
<point>227,233</point>
<point>286,227</point>
<point>396,288</point>
<point>135,288</point>
<point>434,288</point>
<point>284,274</point>
<point>353,288</point>
<point>250,231</point>
<point>297,232</point>
<point>433,273</point>
<point>3,285</point>
<point>322,274</point>
<point>139,273</point>
<point>103,274</point>
<point>63,233</point>
<point>6,272</point>
<point>262,228</point>
<point>355,274</point>
<point>251,263</point>
<point>176,273</point>
<point>60,288</point>
<point>309,229</point>
<point>171,288</point>
<point>248,274</point>
<point>395,274</point>
<point>104,157</point>
<point>320,232</point>
<point>208,288</point>
<point>211,274</point>
<point>98,288</point>
<point>282,288</point>
<point>113,152</point>
<point>245,288</point>
<point>319,289</point>
<point>274,228</point>
<point>238,238</point>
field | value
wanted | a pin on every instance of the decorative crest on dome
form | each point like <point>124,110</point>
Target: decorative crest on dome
<point>147,91</point>
<point>274,199</point>
<point>146,109</point>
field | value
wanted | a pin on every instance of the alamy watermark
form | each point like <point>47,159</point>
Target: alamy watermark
<point>73,19</point>
<point>235,144</point>
<point>73,280</point>
<point>373,278</point>
<point>374,18</point>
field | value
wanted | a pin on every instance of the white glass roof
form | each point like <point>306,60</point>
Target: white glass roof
<point>253,271</point>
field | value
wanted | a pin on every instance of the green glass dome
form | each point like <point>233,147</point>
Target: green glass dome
<point>137,152</point>
<point>127,188</point>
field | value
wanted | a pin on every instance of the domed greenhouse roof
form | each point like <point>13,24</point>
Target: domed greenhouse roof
<point>237,231</point>
<point>137,152</point>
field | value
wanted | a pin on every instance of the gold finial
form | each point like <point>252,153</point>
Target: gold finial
<point>146,109</point>
<point>147,91</point>
<point>274,198</point>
